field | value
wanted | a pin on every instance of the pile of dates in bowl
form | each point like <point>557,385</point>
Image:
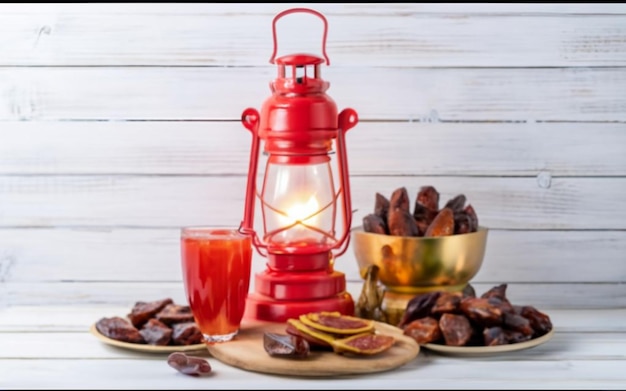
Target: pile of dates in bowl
<point>425,218</point>
<point>421,246</point>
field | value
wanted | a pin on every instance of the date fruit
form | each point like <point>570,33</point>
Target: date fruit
<point>285,345</point>
<point>424,330</point>
<point>442,225</point>
<point>189,365</point>
<point>418,307</point>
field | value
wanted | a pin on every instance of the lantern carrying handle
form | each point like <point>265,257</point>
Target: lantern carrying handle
<point>348,118</point>
<point>304,10</point>
<point>250,120</point>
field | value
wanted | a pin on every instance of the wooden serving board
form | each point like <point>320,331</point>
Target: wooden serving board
<point>246,351</point>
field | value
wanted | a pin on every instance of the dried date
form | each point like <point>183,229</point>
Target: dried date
<point>456,329</point>
<point>285,345</point>
<point>517,323</point>
<point>381,206</point>
<point>424,330</point>
<point>494,336</point>
<point>442,225</point>
<point>457,203</point>
<point>375,224</point>
<point>448,302</point>
<point>539,321</point>
<point>481,312</point>
<point>469,211</point>
<point>401,223</point>
<point>498,291</point>
<point>189,365</point>
<point>428,197</point>
<point>399,200</point>
<point>418,307</point>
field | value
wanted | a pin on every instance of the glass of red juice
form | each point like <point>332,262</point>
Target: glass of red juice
<point>216,266</point>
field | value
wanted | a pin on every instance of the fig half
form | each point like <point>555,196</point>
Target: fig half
<point>315,338</point>
<point>337,323</point>
<point>366,344</point>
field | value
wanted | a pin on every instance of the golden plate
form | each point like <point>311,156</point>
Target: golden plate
<point>247,352</point>
<point>488,350</point>
<point>139,347</point>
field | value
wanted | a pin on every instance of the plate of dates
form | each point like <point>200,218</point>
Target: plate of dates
<point>158,326</point>
<point>144,347</point>
<point>463,323</point>
<point>488,350</point>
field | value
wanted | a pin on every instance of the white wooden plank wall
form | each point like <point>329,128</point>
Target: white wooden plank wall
<point>119,124</point>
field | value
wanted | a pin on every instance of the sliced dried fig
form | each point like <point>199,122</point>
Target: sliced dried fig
<point>315,338</point>
<point>337,323</point>
<point>364,344</point>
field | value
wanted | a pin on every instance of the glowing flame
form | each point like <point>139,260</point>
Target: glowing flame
<point>306,213</point>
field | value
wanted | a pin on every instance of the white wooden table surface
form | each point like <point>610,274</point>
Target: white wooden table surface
<point>51,347</point>
<point>120,123</point>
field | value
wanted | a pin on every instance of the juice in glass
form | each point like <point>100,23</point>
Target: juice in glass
<point>216,266</point>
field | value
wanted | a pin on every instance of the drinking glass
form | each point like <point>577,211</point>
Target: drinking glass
<point>216,266</point>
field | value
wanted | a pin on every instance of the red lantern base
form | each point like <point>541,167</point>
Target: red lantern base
<point>280,294</point>
<point>265,308</point>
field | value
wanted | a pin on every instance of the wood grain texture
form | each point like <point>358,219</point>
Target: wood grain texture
<point>370,35</point>
<point>271,9</point>
<point>147,255</point>
<point>78,318</point>
<point>374,148</point>
<point>543,295</point>
<point>110,201</point>
<point>120,123</point>
<point>496,373</point>
<point>390,93</point>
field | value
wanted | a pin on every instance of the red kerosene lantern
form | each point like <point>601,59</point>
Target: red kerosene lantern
<point>300,197</point>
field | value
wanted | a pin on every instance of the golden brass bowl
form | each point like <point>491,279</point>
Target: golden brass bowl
<point>414,265</point>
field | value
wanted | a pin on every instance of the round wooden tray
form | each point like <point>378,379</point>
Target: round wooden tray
<point>246,351</point>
